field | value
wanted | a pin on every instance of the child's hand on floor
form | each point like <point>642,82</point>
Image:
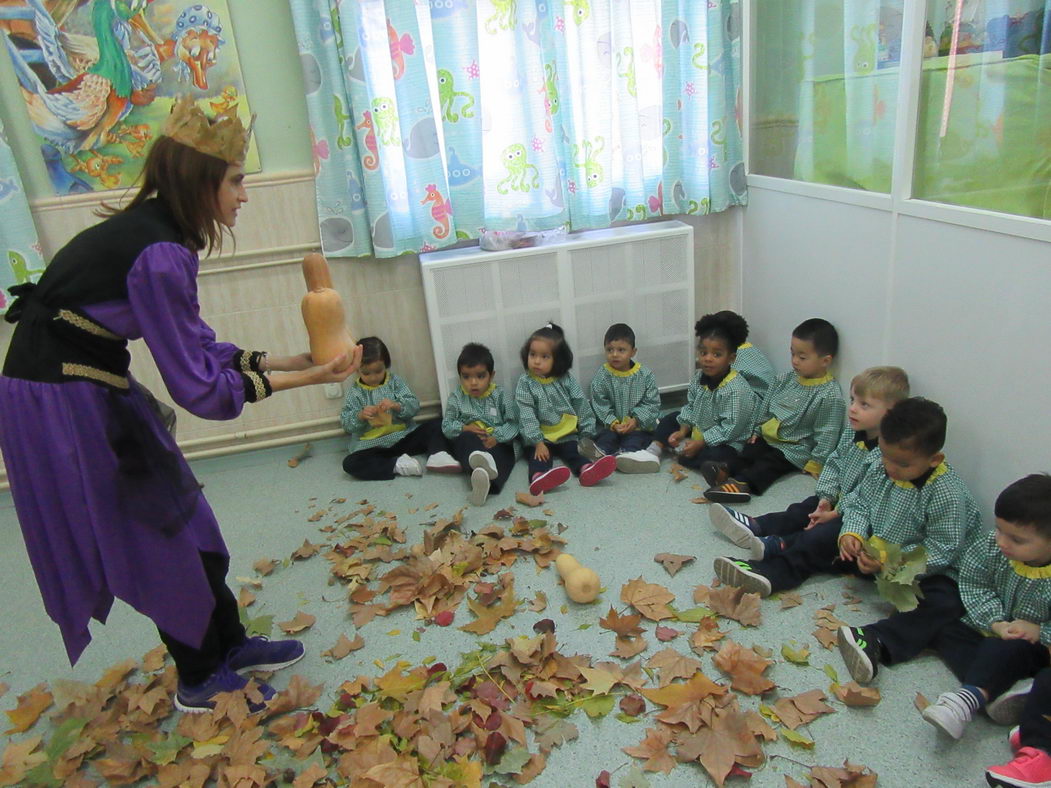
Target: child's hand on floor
<point>1018,629</point>
<point>822,514</point>
<point>541,453</point>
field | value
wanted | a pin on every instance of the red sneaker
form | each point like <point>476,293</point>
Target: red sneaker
<point>549,480</point>
<point>1031,768</point>
<point>1014,738</point>
<point>596,471</point>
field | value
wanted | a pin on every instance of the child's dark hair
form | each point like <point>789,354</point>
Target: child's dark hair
<point>733,330</point>
<point>562,356</point>
<point>373,350</point>
<point>916,424</point>
<point>820,333</point>
<point>621,331</point>
<point>1027,502</point>
<point>474,354</point>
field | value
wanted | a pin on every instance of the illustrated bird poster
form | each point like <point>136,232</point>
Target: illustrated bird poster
<point>99,78</point>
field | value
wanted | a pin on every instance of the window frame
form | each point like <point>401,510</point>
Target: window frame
<point>900,201</point>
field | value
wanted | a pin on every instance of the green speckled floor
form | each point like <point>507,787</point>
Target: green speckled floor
<point>616,528</point>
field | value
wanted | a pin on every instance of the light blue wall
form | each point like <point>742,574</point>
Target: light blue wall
<point>270,64</point>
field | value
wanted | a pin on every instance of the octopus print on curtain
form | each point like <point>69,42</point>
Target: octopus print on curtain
<point>435,119</point>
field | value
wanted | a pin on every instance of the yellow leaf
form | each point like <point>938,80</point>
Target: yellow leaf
<point>213,746</point>
<point>30,706</point>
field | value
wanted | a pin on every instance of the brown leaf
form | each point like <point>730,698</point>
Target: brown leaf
<point>664,634</point>
<point>344,646</point>
<point>706,636</point>
<point>310,776</point>
<point>920,702</point>
<point>697,688</point>
<point>629,647</point>
<point>650,599</point>
<point>19,758</point>
<point>116,674</point>
<point>153,660</point>
<point>489,617</point>
<point>30,706</point>
<point>539,603</point>
<point>790,599</point>
<point>632,705</point>
<point>529,500</point>
<point>301,621</point>
<point>245,597</point>
<point>744,667</point>
<point>735,603</point>
<point>853,694</point>
<point>673,665</point>
<point>699,499</point>
<point>673,562</point>
<point>264,566</point>
<point>625,626</point>
<point>306,550</point>
<point>654,750</point>
<point>678,472</point>
<point>802,709</point>
<point>826,637</point>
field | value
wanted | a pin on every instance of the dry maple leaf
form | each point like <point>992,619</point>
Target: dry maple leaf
<point>673,562</point>
<point>301,621</point>
<point>735,603</point>
<point>343,647</point>
<point>625,626</point>
<point>245,597</point>
<point>539,603</point>
<point>529,500</point>
<point>306,550</point>
<point>664,634</point>
<point>850,775</point>
<point>706,636</point>
<point>853,694</point>
<point>920,701</point>
<point>650,599</point>
<point>790,599</point>
<point>489,617</point>
<point>672,665</point>
<point>654,749</point>
<point>802,709</point>
<point>629,647</point>
<point>744,667</point>
<point>19,758</point>
<point>598,681</point>
<point>678,472</point>
<point>697,688</point>
<point>30,706</point>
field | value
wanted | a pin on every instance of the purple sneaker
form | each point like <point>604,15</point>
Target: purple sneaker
<point>261,653</point>
<point>195,699</point>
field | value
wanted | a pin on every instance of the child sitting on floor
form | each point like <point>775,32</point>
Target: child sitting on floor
<point>482,423</point>
<point>626,403</point>
<point>872,393</point>
<point>378,413</point>
<point>553,413</point>
<point>798,424</point>
<point>1005,585</point>
<point>751,362</point>
<point>720,405</point>
<point>1030,742</point>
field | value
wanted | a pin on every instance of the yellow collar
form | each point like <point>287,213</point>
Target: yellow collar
<point>483,395</point>
<point>1032,572</point>
<point>542,380</point>
<point>367,387</point>
<point>744,345</point>
<point>626,374</point>
<point>815,381</point>
<point>940,470</point>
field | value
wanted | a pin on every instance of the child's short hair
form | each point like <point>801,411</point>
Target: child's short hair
<point>732,330</point>
<point>820,333</point>
<point>889,384</point>
<point>1027,502</point>
<point>621,331</point>
<point>562,356</point>
<point>474,354</point>
<point>917,424</point>
<point>373,350</point>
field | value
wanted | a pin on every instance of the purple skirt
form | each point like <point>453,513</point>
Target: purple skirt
<point>85,507</point>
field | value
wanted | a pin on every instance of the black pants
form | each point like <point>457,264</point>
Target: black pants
<point>809,553</point>
<point>670,423</point>
<point>1035,726</point>
<point>376,464</point>
<point>225,631</point>
<point>611,442</point>
<point>989,662</point>
<point>567,452</point>
<point>759,465</point>
<point>502,453</point>
<point>905,635</point>
<point>791,524</point>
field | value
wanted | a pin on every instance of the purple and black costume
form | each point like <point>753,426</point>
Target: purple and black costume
<point>107,504</point>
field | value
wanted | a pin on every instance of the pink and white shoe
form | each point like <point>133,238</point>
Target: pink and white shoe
<point>596,471</point>
<point>1014,738</point>
<point>1031,768</point>
<point>549,480</point>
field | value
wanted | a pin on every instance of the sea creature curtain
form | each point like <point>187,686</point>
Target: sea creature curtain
<point>432,120</point>
<point>18,237</point>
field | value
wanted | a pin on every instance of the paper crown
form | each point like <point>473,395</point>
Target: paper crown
<point>225,137</point>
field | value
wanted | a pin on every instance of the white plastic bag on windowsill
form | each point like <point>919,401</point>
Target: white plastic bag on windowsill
<point>501,240</point>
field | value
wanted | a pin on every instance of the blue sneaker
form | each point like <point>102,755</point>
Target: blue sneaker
<point>772,545</point>
<point>261,653</point>
<point>195,699</point>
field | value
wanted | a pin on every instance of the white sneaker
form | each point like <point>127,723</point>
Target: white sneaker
<point>479,487</point>
<point>407,466</point>
<point>442,462</point>
<point>484,460</point>
<point>640,461</point>
<point>736,527</point>
<point>949,714</point>
<point>590,449</point>
<point>1006,709</point>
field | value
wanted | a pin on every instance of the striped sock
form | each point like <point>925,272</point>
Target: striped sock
<point>972,696</point>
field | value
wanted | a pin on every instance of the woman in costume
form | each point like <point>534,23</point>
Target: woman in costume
<point>107,504</point>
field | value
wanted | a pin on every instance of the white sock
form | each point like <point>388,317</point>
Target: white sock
<point>654,448</point>
<point>407,466</point>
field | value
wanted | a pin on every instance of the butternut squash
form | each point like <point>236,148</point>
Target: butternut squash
<point>324,316</point>
<point>582,584</point>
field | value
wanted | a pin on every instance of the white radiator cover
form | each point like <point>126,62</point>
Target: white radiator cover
<point>641,275</point>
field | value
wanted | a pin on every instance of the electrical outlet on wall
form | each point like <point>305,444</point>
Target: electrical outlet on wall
<point>333,391</point>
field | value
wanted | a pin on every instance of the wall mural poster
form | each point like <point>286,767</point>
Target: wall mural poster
<point>99,78</point>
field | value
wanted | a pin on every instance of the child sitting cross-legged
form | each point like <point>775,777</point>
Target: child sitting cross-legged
<point>797,426</point>
<point>378,413</point>
<point>872,393</point>
<point>626,403</point>
<point>482,423</point>
<point>1003,638</point>
<point>553,414</point>
<point>720,405</point>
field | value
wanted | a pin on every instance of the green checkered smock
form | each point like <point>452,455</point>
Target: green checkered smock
<point>940,514</point>
<point>851,460</point>
<point>618,396</point>
<point>362,434</point>
<point>756,368</point>
<point>723,416</point>
<point>802,418</point>
<point>995,588</point>
<point>547,401</point>
<point>495,411</point>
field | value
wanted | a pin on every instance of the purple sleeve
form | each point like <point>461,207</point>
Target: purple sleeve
<point>162,291</point>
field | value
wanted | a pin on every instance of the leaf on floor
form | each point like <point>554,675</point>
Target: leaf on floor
<point>744,667</point>
<point>628,647</point>
<point>650,599</point>
<point>827,632</point>
<point>699,499</point>
<point>672,665</point>
<point>790,599</point>
<point>30,706</point>
<point>678,472</point>
<point>245,597</point>
<point>735,603</point>
<point>306,550</point>
<point>853,694</point>
<point>706,636</point>
<point>625,626</point>
<point>300,622</point>
<point>527,499</point>
<point>264,566</point>
<point>920,701</point>
<point>429,507</point>
<point>343,647</point>
<point>796,653</point>
<point>664,634</point>
<point>673,562</point>
<point>489,617</point>
<point>802,709</point>
<point>539,602</point>
<point>654,750</point>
